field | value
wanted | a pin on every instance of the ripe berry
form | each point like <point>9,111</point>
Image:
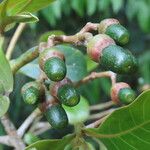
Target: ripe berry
<point>56,116</point>
<point>52,63</point>
<point>65,93</point>
<point>101,48</point>
<point>122,93</point>
<point>115,30</point>
<point>32,92</point>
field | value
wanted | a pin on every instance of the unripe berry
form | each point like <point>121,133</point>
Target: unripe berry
<point>30,138</point>
<point>52,62</point>
<point>101,48</point>
<point>122,93</point>
<point>115,30</point>
<point>126,95</point>
<point>119,60</point>
<point>32,92</point>
<point>68,95</point>
<point>96,45</point>
<point>65,93</point>
<point>56,116</point>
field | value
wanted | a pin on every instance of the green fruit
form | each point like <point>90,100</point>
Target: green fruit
<point>52,62</point>
<point>96,45</point>
<point>56,116</point>
<point>118,60</point>
<point>32,92</point>
<point>30,138</point>
<point>55,69</point>
<point>31,95</point>
<point>68,95</point>
<point>126,95</point>
<point>118,33</point>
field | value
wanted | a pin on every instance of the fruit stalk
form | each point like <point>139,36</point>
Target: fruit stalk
<point>95,75</point>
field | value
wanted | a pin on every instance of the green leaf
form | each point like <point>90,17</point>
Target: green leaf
<point>104,4</point>
<point>44,36</point>
<point>95,89</point>
<point>144,69</point>
<point>12,11</point>
<point>75,61</point>
<point>23,17</point>
<point>144,16</point>
<point>57,9</point>
<point>78,6</point>
<point>131,9</point>
<point>56,144</point>
<point>91,65</point>
<point>78,113</point>
<point>105,85</point>
<point>18,6</point>
<point>91,6</point>
<point>6,76</point>
<point>83,146</point>
<point>66,7</point>
<point>31,70</point>
<point>4,105</point>
<point>3,11</point>
<point>141,10</point>
<point>116,5</point>
<point>127,128</point>
<point>9,21</point>
<point>52,12</point>
<point>49,15</point>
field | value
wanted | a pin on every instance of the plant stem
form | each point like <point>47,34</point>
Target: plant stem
<point>28,122</point>
<point>89,27</point>
<point>102,106</point>
<point>80,38</point>
<point>8,126</point>
<point>40,128</point>
<point>25,58</point>
<point>79,140</point>
<point>14,40</point>
<point>77,39</point>
<point>96,123</point>
<point>95,75</point>
<point>6,140</point>
<point>11,131</point>
<point>101,114</point>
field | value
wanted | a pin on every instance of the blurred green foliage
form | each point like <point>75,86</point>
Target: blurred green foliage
<point>139,10</point>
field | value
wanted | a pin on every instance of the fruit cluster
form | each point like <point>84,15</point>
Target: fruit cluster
<point>101,48</point>
<point>52,63</point>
